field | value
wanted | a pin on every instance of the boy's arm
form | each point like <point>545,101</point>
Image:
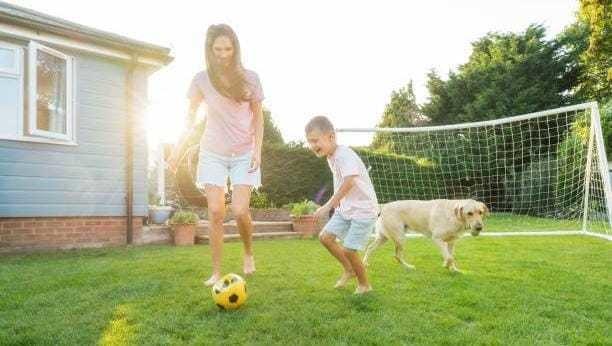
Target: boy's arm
<point>334,201</point>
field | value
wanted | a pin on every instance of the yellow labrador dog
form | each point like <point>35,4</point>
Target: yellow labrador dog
<point>443,220</point>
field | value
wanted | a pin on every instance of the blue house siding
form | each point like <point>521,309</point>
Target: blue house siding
<point>38,180</point>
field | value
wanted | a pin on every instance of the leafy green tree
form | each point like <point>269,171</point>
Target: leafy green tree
<point>272,134</point>
<point>506,74</point>
<point>401,111</point>
<point>596,59</point>
<point>588,42</point>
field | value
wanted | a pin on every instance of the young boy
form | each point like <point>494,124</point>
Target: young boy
<point>354,200</point>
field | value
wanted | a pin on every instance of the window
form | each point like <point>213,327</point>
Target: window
<point>11,90</point>
<point>50,93</point>
<point>46,80</point>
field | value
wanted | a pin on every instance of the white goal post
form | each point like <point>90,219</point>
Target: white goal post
<point>542,173</point>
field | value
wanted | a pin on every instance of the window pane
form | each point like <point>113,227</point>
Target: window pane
<point>9,105</point>
<point>7,59</point>
<point>51,93</point>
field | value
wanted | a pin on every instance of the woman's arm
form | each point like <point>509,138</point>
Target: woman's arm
<point>194,104</point>
<point>258,123</point>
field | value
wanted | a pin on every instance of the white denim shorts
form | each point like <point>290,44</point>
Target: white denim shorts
<point>215,169</point>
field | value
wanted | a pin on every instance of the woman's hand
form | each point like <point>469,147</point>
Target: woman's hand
<point>255,162</point>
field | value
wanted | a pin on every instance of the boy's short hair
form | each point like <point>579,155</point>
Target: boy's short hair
<point>321,123</point>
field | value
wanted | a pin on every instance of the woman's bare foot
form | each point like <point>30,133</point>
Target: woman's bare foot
<point>363,289</point>
<point>248,265</point>
<point>344,279</point>
<point>211,281</point>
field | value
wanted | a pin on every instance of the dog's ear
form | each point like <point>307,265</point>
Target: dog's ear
<point>459,212</point>
<point>485,210</point>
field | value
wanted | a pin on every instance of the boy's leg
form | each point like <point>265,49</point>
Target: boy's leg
<point>329,241</point>
<point>216,212</point>
<point>358,269</point>
<point>336,228</point>
<point>241,196</point>
<point>356,240</point>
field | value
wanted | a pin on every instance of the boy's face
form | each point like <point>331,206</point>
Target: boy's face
<point>321,143</point>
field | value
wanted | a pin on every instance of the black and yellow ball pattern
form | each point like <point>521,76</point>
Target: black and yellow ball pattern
<point>230,292</point>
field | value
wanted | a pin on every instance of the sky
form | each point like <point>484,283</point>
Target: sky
<point>338,58</point>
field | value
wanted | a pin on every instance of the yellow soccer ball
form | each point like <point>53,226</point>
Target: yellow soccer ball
<point>230,292</point>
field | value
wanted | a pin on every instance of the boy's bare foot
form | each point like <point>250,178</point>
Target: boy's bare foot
<point>344,279</point>
<point>211,281</point>
<point>363,289</point>
<point>248,265</point>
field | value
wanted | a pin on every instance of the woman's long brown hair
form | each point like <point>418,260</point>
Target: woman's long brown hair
<point>237,86</point>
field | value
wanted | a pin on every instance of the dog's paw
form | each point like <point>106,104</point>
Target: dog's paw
<point>448,263</point>
<point>409,266</point>
<point>454,270</point>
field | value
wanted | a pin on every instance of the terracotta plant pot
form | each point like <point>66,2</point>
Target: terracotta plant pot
<point>305,225</point>
<point>184,234</point>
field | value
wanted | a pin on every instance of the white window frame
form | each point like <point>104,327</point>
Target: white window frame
<point>16,73</point>
<point>33,49</point>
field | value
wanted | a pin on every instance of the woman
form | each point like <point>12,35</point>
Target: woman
<point>231,142</point>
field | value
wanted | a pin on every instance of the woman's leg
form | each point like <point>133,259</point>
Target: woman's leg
<point>216,212</point>
<point>241,197</point>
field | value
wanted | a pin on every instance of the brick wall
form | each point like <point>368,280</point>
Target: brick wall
<point>22,234</point>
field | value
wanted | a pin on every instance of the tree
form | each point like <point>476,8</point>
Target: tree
<point>272,134</point>
<point>506,74</point>
<point>401,111</point>
<point>573,41</point>
<point>595,80</point>
<point>588,42</point>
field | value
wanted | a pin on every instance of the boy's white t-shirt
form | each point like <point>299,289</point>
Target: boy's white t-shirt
<point>360,202</point>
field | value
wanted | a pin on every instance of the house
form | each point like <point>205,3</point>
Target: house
<point>73,151</point>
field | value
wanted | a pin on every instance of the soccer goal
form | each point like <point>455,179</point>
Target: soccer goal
<point>543,173</point>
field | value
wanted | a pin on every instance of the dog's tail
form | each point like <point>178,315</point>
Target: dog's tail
<point>379,228</point>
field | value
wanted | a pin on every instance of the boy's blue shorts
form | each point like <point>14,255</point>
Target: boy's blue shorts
<point>354,233</point>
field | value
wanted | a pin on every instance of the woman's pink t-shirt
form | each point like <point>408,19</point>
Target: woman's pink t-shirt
<point>229,124</point>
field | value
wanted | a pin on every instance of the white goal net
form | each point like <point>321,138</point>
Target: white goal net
<point>539,172</point>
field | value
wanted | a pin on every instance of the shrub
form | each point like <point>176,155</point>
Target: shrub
<point>532,191</point>
<point>305,207</point>
<point>260,200</point>
<point>184,218</point>
<point>292,173</point>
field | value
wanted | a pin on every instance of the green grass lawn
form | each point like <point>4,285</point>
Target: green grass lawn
<point>506,222</point>
<point>514,290</point>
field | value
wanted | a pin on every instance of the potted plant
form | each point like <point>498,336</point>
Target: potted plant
<point>184,225</point>
<point>303,219</point>
<point>158,212</point>
<point>263,209</point>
